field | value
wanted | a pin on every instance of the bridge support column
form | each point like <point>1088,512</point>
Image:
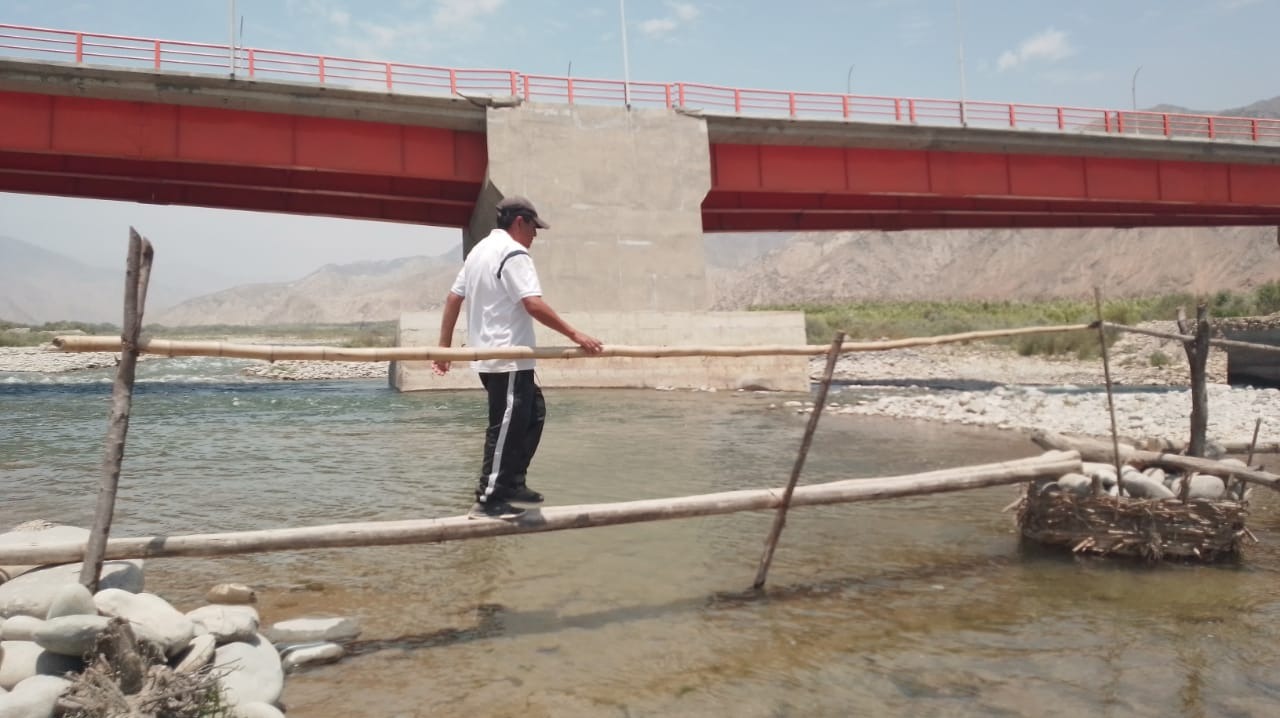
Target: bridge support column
<point>624,259</point>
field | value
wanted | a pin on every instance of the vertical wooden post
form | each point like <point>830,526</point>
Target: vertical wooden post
<point>1253,445</point>
<point>1111,404</point>
<point>1197,356</point>
<point>137,275</point>
<point>780,519</point>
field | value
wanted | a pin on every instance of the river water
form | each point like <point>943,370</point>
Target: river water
<point>922,607</point>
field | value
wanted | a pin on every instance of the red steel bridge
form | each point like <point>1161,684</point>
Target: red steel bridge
<point>118,117</point>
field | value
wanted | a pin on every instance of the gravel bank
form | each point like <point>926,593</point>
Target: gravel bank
<point>989,385</point>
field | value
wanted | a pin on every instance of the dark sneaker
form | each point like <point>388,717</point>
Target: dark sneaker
<point>495,510</point>
<point>525,495</point>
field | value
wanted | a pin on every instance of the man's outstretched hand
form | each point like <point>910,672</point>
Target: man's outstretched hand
<point>589,343</point>
<point>440,367</point>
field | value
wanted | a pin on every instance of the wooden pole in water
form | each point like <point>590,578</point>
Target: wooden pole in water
<point>1111,404</point>
<point>1095,450</point>
<point>554,518</point>
<point>780,518</point>
<point>137,276</point>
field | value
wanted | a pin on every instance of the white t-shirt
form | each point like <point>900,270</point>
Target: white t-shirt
<point>497,275</point>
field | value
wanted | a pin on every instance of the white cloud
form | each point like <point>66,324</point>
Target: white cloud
<point>681,13</point>
<point>453,14</point>
<point>686,12</point>
<point>1049,46</point>
<point>386,38</point>
<point>658,27</point>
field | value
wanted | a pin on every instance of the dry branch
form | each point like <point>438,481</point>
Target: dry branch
<point>1050,465</point>
<point>1141,528</point>
<point>172,348</point>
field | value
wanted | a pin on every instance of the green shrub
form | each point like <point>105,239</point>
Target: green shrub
<point>868,320</point>
<point>1266,298</point>
<point>1159,359</point>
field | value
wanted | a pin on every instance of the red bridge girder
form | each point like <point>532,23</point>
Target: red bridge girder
<point>170,154</point>
<point>786,187</point>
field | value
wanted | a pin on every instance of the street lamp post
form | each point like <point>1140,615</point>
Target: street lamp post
<point>964,120</point>
<point>1133,88</point>
<point>231,46</point>
<point>848,81</point>
<point>626,62</point>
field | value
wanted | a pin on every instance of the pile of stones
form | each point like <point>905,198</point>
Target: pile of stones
<point>1150,483</point>
<point>51,624</point>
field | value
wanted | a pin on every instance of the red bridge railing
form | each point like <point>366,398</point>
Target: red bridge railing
<point>43,44</point>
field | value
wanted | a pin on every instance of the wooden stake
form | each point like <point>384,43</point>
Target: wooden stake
<point>137,275</point>
<point>1253,444</point>
<point>1111,404</point>
<point>780,518</point>
<point>555,518</point>
<point>1257,424</point>
<point>1197,355</point>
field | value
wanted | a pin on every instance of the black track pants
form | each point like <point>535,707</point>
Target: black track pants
<point>516,415</point>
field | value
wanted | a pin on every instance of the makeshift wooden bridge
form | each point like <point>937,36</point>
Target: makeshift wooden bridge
<point>1048,466</point>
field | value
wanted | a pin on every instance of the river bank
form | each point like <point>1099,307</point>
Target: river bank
<point>980,384</point>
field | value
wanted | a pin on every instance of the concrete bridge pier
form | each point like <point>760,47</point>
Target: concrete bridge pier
<point>624,259</point>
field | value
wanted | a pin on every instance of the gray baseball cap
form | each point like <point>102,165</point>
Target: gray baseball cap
<point>515,204</point>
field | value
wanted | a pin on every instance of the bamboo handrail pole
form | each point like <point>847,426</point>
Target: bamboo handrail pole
<point>1095,450</point>
<point>780,518</point>
<point>174,348</point>
<point>1187,338</point>
<point>1051,464</point>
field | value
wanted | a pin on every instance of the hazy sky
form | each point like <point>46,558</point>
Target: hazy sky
<point>1203,54</point>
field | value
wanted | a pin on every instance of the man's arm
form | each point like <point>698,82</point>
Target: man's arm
<point>448,319</point>
<point>540,310</point>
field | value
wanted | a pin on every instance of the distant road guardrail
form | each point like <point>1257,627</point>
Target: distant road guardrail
<point>95,49</point>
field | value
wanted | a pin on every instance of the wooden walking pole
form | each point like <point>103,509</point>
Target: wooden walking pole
<point>1197,356</point>
<point>1050,465</point>
<point>1111,404</point>
<point>780,518</point>
<point>137,275</point>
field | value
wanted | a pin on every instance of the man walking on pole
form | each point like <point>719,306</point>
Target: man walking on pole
<point>500,286</point>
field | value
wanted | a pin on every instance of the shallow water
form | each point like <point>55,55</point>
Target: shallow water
<point>926,606</point>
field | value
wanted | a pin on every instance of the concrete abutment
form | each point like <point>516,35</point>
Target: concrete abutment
<point>624,259</point>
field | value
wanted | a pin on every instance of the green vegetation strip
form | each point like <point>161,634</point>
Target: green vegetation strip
<point>897,320</point>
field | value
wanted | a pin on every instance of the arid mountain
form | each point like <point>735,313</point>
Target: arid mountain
<point>1269,109</point>
<point>38,286</point>
<point>743,270</point>
<point>1000,264</point>
<point>365,291</point>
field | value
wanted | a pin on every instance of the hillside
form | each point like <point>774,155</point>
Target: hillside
<point>1000,264</point>
<point>38,286</point>
<point>364,291</point>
